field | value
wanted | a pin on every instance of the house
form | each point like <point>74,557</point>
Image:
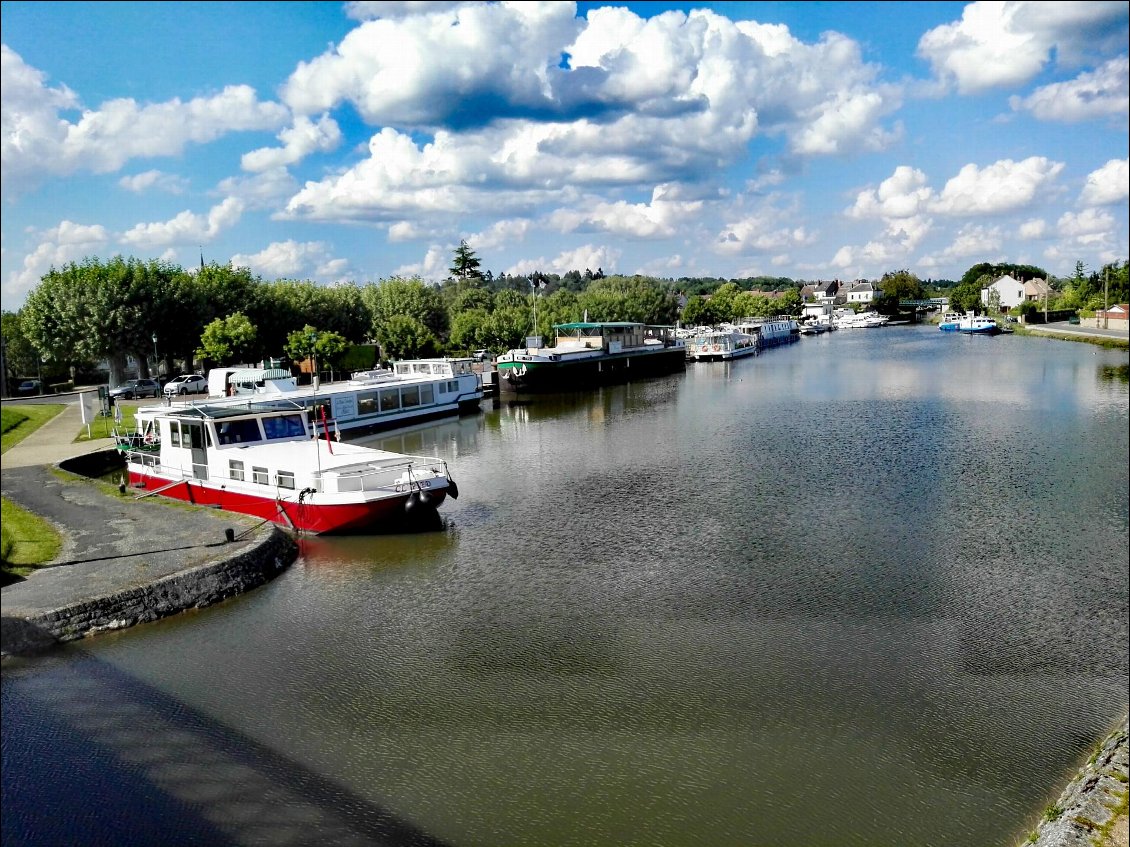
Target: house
<point>1037,291</point>
<point>1119,314</point>
<point>820,292</point>
<point>1013,292</point>
<point>861,292</point>
<point>1009,290</point>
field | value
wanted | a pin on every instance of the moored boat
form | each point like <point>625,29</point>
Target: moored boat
<point>585,354</point>
<point>412,391</point>
<point>978,325</point>
<point>770,332</point>
<point>950,322</point>
<point>722,345</point>
<point>265,461</point>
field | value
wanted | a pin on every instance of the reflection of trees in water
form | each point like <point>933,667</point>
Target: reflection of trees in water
<point>1121,373</point>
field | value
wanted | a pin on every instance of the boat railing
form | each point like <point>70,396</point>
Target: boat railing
<point>401,476</point>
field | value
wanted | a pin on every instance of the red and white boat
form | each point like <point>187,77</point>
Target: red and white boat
<point>266,462</point>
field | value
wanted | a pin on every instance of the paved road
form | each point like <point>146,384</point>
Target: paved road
<point>1065,328</point>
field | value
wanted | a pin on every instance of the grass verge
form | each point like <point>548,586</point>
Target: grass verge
<point>103,427</point>
<point>27,541</point>
<point>18,422</point>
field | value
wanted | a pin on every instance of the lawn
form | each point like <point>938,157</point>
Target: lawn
<point>19,422</point>
<point>26,541</point>
<point>103,427</point>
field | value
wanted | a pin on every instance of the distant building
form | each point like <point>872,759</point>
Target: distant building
<point>861,292</point>
<point>1013,292</point>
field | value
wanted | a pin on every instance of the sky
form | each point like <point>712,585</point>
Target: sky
<point>355,142</point>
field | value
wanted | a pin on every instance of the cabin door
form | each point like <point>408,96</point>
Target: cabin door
<point>193,433</point>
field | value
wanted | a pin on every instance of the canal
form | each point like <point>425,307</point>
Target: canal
<point>866,589</point>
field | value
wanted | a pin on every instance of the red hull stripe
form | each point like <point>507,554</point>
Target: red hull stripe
<point>307,517</point>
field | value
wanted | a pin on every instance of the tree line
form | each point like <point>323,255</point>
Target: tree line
<point>94,310</point>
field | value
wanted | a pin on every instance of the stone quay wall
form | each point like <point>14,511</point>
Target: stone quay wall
<point>196,587</point>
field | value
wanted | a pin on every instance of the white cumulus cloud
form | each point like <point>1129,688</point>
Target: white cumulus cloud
<point>1108,185</point>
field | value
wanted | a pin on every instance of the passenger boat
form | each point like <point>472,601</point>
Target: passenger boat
<point>978,325</point>
<point>969,324</point>
<point>721,345</point>
<point>770,332</point>
<point>265,461</point>
<point>412,391</point>
<point>860,320</point>
<point>585,354</point>
<point>950,322</point>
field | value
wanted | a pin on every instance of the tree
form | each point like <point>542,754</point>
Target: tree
<point>97,310</point>
<point>410,298</point>
<point>404,337</point>
<point>897,286</point>
<point>322,346</point>
<point>226,340</point>
<point>465,265</point>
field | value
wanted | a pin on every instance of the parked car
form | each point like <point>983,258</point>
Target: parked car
<point>28,386</point>
<point>135,388</point>
<point>482,355</point>
<point>1073,320</point>
<point>187,384</point>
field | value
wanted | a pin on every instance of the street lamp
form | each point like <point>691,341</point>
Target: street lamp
<point>156,363</point>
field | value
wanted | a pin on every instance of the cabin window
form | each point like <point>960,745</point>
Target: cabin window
<point>426,395</point>
<point>367,403</point>
<point>321,410</point>
<point>243,431</point>
<point>235,470</point>
<point>410,396</point>
<point>285,479</point>
<point>192,435</point>
<point>452,386</point>
<point>390,400</point>
<point>259,476</point>
<point>283,426</point>
<point>174,433</point>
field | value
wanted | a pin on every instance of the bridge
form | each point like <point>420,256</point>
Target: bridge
<point>940,302</point>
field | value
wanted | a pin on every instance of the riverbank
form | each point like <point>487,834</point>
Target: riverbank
<point>123,561</point>
<point>1092,810</point>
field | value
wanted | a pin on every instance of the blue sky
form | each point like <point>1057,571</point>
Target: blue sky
<point>360,141</point>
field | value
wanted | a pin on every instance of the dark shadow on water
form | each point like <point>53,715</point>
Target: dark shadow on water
<point>94,756</point>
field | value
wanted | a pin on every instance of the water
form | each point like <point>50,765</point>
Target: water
<point>867,589</point>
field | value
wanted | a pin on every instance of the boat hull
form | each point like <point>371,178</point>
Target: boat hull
<point>532,373</point>
<point>402,509</point>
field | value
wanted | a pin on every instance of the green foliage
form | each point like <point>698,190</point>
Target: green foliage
<point>404,337</point>
<point>26,540</point>
<point>465,264</point>
<point>228,340</point>
<point>636,298</point>
<point>404,298</point>
<point>320,345</point>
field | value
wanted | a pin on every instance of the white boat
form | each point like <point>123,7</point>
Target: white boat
<point>950,322</point>
<point>266,461</point>
<point>847,319</point>
<point>722,345</point>
<point>413,391</point>
<point>978,325</point>
<point>770,332</point>
<point>969,324</point>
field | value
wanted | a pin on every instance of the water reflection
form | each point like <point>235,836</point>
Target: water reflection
<point>866,589</point>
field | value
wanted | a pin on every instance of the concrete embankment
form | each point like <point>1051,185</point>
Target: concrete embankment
<point>1092,810</point>
<point>24,631</point>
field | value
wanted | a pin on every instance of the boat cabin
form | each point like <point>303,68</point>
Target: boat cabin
<point>611,337</point>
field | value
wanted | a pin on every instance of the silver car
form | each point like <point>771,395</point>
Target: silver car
<point>135,388</point>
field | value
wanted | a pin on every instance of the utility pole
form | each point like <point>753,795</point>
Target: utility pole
<point>1106,297</point>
